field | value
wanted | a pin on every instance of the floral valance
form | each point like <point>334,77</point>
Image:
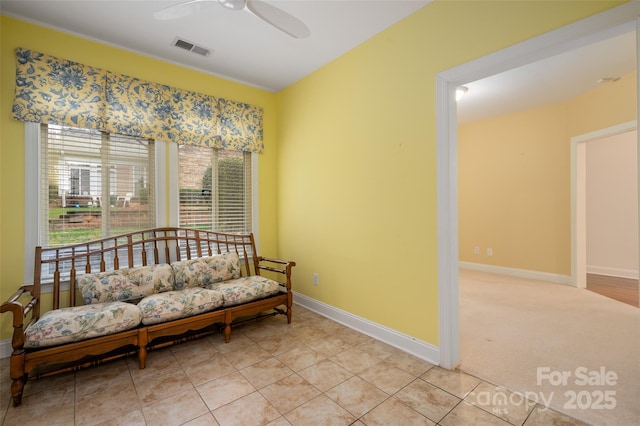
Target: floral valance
<point>57,91</point>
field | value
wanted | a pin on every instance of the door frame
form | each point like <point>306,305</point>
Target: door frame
<point>603,25</point>
<point>578,197</point>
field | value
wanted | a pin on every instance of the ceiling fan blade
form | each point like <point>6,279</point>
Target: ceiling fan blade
<point>181,10</point>
<point>278,18</point>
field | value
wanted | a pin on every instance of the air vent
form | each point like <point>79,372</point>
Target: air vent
<point>191,47</point>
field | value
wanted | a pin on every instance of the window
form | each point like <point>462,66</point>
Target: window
<point>82,184</point>
<point>215,189</point>
<point>95,185</point>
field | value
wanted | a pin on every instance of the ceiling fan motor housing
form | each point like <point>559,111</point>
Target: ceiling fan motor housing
<point>233,4</point>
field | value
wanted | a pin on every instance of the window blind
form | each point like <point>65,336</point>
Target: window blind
<point>94,184</point>
<point>215,189</point>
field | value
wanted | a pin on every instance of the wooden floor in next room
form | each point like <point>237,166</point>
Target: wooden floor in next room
<point>624,290</point>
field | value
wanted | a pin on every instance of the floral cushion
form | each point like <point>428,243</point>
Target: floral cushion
<point>203,271</point>
<point>68,325</point>
<point>178,304</point>
<point>128,283</point>
<point>246,289</point>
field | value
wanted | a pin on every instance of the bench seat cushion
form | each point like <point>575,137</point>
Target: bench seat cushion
<point>203,271</point>
<point>67,325</point>
<point>178,304</point>
<point>127,283</point>
<point>246,289</point>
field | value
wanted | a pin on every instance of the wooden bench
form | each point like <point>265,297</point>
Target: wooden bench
<point>56,267</point>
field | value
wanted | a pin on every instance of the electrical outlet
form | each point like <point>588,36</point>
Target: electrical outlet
<point>476,250</point>
<point>316,278</point>
<point>489,252</point>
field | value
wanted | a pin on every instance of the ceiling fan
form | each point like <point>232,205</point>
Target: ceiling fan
<point>268,13</point>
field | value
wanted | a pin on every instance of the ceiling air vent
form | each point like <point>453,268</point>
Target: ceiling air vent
<point>191,47</point>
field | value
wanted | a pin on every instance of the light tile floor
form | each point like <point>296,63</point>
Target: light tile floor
<point>312,372</point>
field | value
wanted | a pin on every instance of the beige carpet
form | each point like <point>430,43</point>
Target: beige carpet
<point>512,327</point>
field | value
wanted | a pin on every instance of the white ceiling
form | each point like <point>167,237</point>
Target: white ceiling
<point>245,48</point>
<point>552,80</point>
<point>248,50</point>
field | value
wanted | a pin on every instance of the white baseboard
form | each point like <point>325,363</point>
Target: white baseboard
<point>418,348</point>
<point>520,273</point>
<point>5,348</point>
<point>613,272</point>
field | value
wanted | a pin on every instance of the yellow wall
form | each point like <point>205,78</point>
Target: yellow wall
<point>514,191</point>
<point>356,146</point>
<point>515,183</point>
<point>15,33</point>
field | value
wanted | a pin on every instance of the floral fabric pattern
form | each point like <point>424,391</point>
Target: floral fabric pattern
<point>57,91</point>
<point>203,271</point>
<point>78,323</point>
<point>178,304</point>
<point>240,126</point>
<point>128,283</point>
<point>140,108</point>
<point>246,289</point>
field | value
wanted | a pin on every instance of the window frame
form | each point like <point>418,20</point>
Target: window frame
<point>167,193</point>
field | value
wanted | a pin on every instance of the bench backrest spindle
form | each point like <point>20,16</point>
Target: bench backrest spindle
<point>130,250</point>
<point>103,265</point>
<point>246,259</point>
<point>167,252</point>
<point>198,245</point>
<point>56,284</point>
<point>116,259</point>
<point>72,278</point>
<point>87,267</point>
<point>144,253</point>
<point>37,273</point>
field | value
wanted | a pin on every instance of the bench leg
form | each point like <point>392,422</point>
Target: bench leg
<point>143,337</point>
<point>227,326</point>
<point>17,387</point>
<point>142,357</point>
<point>227,333</point>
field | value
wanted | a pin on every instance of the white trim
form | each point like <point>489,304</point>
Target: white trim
<point>579,199</point>
<point>161,182</point>
<point>611,22</point>
<point>415,347</point>
<point>172,186</point>
<point>520,273</point>
<point>255,199</point>
<point>447,210</point>
<point>31,195</point>
<point>613,272</point>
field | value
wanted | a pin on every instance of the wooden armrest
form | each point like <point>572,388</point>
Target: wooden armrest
<point>269,259</point>
<point>19,312</point>
<point>26,288</point>
<point>287,263</point>
<point>286,271</point>
<point>15,307</point>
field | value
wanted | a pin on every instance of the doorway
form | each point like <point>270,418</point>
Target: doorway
<point>605,247</point>
<point>579,34</point>
<point>620,19</point>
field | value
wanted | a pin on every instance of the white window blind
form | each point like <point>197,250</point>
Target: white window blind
<point>94,185</point>
<point>215,189</point>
